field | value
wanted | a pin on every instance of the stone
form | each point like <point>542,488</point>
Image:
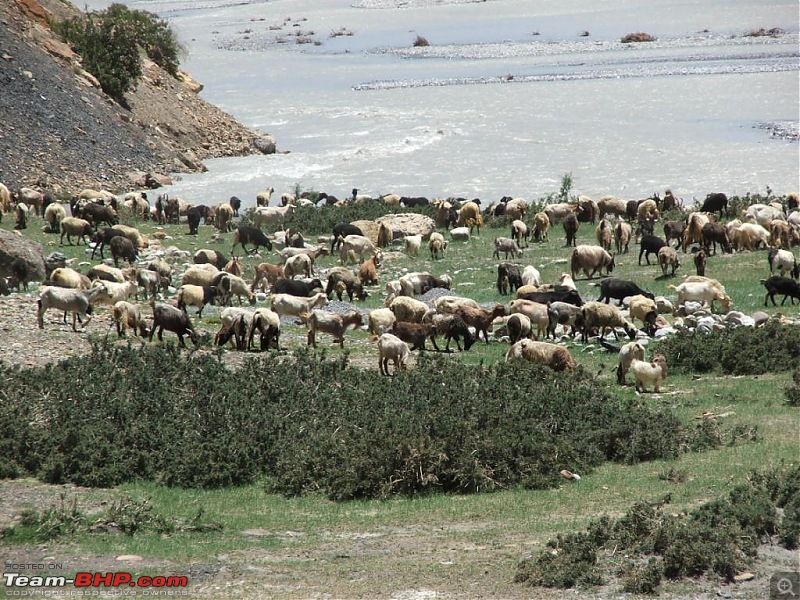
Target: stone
<point>404,224</point>
<point>265,144</point>
<point>13,246</point>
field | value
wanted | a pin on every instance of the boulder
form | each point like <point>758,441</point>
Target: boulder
<point>12,246</point>
<point>404,224</point>
<point>265,144</point>
<point>369,229</point>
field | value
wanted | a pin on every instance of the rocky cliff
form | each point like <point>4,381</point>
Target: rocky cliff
<point>58,129</point>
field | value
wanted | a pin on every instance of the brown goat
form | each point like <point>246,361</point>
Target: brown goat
<point>481,319</point>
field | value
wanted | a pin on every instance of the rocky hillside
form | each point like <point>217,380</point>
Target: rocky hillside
<point>59,130</point>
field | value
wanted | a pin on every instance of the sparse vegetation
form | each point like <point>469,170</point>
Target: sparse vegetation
<point>638,37</point>
<point>761,32</point>
<point>420,41</point>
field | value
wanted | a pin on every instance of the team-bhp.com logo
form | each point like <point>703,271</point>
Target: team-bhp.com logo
<point>111,579</point>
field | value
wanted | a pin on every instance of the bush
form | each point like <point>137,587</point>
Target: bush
<point>110,42</point>
<point>721,536</point>
<point>793,390</point>
<point>637,37</point>
<point>740,351</point>
<point>445,427</point>
<point>420,41</point>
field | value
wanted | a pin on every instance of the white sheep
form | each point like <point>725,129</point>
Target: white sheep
<point>602,315</point>
<point>591,259</point>
<point>393,289</point>
<point>413,244</point>
<point>77,302</point>
<point>782,261</point>
<point>649,373</point>
<point>286,304</point>
<point>643,308</point>
<point>199,275</point>
<point>535,311</point>
<point>358,247</point>
<point>195,295</point>
<point>451,304</point>
<point>117,291</point>
<point>299,264</point>
<point>268,324</point>
<point>668,257</point>
<point>128,316</point>
<point>391,347</point>
<point>78,227</point>
<point>629,352</point>
<point>506,246</point>
<point>531,276</point>
<point>408,309</point>
<point>68,277</point>
<point>380,320</point>
<point>273,215</point>
<point>701,291</point>
<point>238,287</point>
<point>554,356</point>
<point>54,214</point>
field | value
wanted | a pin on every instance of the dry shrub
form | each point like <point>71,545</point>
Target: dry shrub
<point>638,37</point>
<point>420,41</point>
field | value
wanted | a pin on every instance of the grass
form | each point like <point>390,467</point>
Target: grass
<point>463,545</point>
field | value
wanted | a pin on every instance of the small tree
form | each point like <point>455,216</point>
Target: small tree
<point>566,186</point>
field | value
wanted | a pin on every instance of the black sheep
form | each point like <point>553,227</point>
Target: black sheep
<point>571,226</point>
<point>786,286</point>
<point>717,202</point>
<point>297,287</point>
<point>650,243</point>
<point>246,234</point>
<point>174,320</point>
<point>104,237</point>
<point>122,247</point>
<point>619,289</point>
<point>509,278</point>
<point>343,230</point>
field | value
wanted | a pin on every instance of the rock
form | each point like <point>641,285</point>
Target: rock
<point>160,179</point>
<point>190,82</point>
<point>743,577</point>
<point>460,234</point>
<point>369,229</point>
<point>13,246</point>
<point>265,144</point>
<point>58,49</point>
<point>129,558</point>
<point>404,224</point>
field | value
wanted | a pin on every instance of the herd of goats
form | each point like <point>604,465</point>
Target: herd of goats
<point>290,288</point>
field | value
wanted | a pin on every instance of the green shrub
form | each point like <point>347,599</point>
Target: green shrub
<point>643,578</point>
<point>740,351</point>
<point>793,390</point>
<point>110,43</point>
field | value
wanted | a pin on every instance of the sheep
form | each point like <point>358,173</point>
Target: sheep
<point>286,304</point>
<point>591,259</point>
<point>20,273</point>
<point>781,285</point>
<point>54,214</point>
<point>700,260</point>
<point>349,283</point>
<point>481,319</point>
<point>605,234</point>
<point>268,324</point>
<point>150,282</point>
<point>332,323</point>
<point>437,245</point>
<point>223,217</point>
<point>586,210</point>
<point>415,334</point>
<point>563,313</point>
<point>762,214</point>
<point>67,277</point>
<point>117,291</point>
<point>73,226</point>
<point>359,246</point>
<point>645,309</point>
<point>172,319</point>
<point>98,213</point>
<point>535,311</point>
<point>75,301</point>
<point>611,205</point>
<point>531,276</point>
<point>380,320</point>
<point>783,261</point>
<point>390,347</point>
<point>701,291</point>
<point>751,235</point>
<point>452,327</point>
<point>553,356</point>
<point>627,354</point>
<point>231,285</point>
<point>245,234</point>
<point>541,227</point>
<point>234,267</point>
<point>558,212</point>
<point>519,326</point>
<point>272,215</point>
<point>297,287</point>
<point>107,273</point>
<point>520,232</point>
<point>134,235</point>
<point>22,216</point>
<point>197,296</point>
<point>668,257</point>
<point>205,256</point>
<point>414,284</point>
<point>571,226</point>
<point>715,202</point>
<point>368,271</point>
<point>235,330</point>
<point>645,373</point>
<point>714,233</point>
<point>693,233</point>
<point>451,304</point>
<point>128,316</point>
<point>647,210</point>
<point>408,309</point>
<point>673,230</point>
<point>5,199</point>
<point>650,243</point>
<point>508,278</point>
<point>268,272</point>
<point>263,198</point>
<point>299,264</point>
<point>506,246</point>
<point>784,234</point>
<point>199,275</point>
<point>622,236</point>
<point>599,314</point>
<point>121,247</point>
<point>32,199</point>
<point>385,235</point>
<point>342,230</point>
<point>137,203</point>
<point>469,216</point>
<point>413,244</point>
<point>619,289</point>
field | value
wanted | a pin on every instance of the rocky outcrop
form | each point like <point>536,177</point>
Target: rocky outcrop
<point>404,224</point>
<point>58,129</point>
<point>13,246</point>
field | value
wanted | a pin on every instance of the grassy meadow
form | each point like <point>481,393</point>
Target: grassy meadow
<point>451,546</point>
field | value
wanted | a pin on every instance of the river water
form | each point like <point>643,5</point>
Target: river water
<point>508,96</point>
